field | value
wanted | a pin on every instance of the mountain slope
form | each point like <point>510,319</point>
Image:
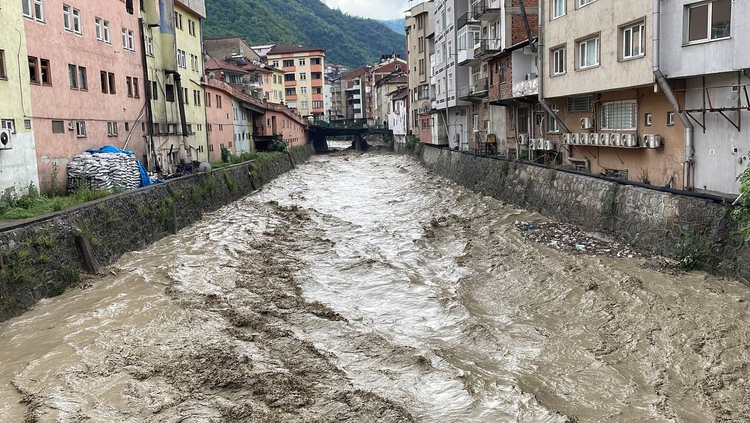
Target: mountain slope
<point>348,40</point>
<point>397,25</point>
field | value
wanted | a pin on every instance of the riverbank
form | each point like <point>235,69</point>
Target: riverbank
<point>692,230</point>
<point>44,256</point>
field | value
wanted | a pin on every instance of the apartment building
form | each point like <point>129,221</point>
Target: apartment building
<point>172,40</point>
<point>387,67</point>
<point>382,91</point>
<point>398,113</point>
<point>18,161</point>
<point>280,122</point>
<point>420,44</point>
<point>219,123</point>
<point>704,53</point>
<point>85,74</point>
<point>598,74</point>
<point>273,85</point>
<point>348,95</point>
<point>450,121</point>
<point>231,47</point>
<point>303,77</point>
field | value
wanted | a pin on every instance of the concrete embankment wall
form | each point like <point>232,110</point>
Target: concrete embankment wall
<point>664,223</point>
<point>40,257</point>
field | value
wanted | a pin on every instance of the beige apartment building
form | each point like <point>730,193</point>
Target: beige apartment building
<point>420,33</point>
<point>598,75</point>
<point>303,77</point>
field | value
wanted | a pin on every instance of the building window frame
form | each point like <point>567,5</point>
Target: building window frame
<point>112,129</point>
<point>558,56</point>
<point>81,129</point>
<point>559,8</point>
<point>3,74</point>
<point>584,3</point>
<point>33,9</point>
<point>584,51</point>
<point>628,40</point>
<point>670,118</point>
<point>710,35</point>
<point>620,115</point>
<point>648,119</point>
<point>45,72</point>
<point>553,126</point>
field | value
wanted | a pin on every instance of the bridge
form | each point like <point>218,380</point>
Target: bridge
<point>320,130</point>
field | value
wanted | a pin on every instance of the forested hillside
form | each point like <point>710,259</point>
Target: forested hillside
<point>348,40</point>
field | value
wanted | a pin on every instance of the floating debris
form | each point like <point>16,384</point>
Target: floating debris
<point>571,239</point>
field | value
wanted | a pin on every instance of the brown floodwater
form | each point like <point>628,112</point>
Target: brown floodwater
<point>364,288</point>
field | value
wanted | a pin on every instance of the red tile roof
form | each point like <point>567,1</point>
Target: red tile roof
<point>216,64</point>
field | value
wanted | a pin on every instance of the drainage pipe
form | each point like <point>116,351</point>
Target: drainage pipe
<point>687,168</point>
<point>540,57</point>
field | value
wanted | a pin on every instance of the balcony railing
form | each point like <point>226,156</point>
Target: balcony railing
<point>466,19</point>
<point>487,48</point>
<point>479,89</point>
<point>526,88</point>
<point>483,9</point>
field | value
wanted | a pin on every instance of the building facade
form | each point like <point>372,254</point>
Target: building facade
<point>219,123</point>
<point>18,160</point>
<point>280,122</point>
<point>303,77</point>
<point>420,33</point>
<point>85,74</point>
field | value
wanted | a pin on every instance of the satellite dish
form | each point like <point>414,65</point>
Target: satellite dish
<point>4,138</point>
<point>205,167</point>
<point>212,75</point>
<point>426,107</point>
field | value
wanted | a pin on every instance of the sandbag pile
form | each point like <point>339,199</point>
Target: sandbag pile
<point>103,172</point>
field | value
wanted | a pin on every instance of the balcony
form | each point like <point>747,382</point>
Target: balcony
<point>466,57</point>
<point>355,88</point>
<point>466,19</point>
<point>254,86</point>
<point>487,48</point>
<point>486,10</point>
<point>476,91</point>
<point>290,83</point>
<point>527,87</point>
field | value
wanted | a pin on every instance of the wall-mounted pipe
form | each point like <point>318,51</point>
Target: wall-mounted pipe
<point>689,163</point>
<point>540,58</point>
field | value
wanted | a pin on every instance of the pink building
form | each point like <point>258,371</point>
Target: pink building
<point>219,119</point>
<point>280,122</point>
<point>86,76</point>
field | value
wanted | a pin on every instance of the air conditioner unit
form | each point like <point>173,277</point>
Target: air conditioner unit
<point>616,140</point>
<point>584,139</point>
<point>651,141</point>
<point>523,139</point>
<point>587,123</point>
<point>629,140</point>
<point>540,144</point>
<point>6,139</point>
<point>567,138</point>
<point>549,145</point>
<point>530,76</point>
<point>595,139</point>
<point>575,139</point>
<point>70,125</point>
<point>605,139</point>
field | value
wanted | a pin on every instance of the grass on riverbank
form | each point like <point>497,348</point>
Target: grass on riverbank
<point>34,204</point>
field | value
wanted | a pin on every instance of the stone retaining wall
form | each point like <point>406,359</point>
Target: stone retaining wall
<point>39,258</point>
<point>668,224</point>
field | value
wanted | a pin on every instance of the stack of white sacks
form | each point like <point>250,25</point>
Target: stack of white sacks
<point>103,172</point>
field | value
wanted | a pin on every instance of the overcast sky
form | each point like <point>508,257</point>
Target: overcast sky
<point>375,9</point>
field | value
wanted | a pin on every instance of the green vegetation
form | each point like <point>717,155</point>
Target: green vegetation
<point>33,204</point>
<point>411,142</point>
<point>689,255</point>
<point>348,40</point>
<point>397,25</point>
<point>741,210</point>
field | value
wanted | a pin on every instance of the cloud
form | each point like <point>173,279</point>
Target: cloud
<point>375,9</point>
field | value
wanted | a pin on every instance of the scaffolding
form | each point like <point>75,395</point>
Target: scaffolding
<point>741,91</point>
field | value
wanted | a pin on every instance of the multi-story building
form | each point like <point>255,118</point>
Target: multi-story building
<point>219,123</point>
<point>280,122</point>
<point>598,74</point>
<point>227,48</point>
<point>382,91</point>
<point>704,53</point>
<point>18,159</point>
<point>172,40</point>
<point>450,122</point>
<point>420,44</point>
<point>398,113</point>
<point>348,94</point>
<point>387,67</point>
<point>303,77</point>
<point>86,76</point>
<point>274,88</point>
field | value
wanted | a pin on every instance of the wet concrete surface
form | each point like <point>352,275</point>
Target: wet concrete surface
<point>362,288</point>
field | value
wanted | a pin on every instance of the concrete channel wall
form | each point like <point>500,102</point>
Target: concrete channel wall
<point>40,258</point>
<point>677,226</point>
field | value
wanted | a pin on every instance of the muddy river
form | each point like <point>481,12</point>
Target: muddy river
<point>362,288</point>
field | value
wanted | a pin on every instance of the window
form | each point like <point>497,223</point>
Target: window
<point>558,8</point>
<point>136,89</point>
<point>33,70</point>
<point>647,119</point>
<point>58,127</point>
<point>302,76</point>
<point>709,21</point>
<point>552,125</point>
<point>218,101</point>
<point>197,97</point>
<point>303,90</point>
<point>582,104</point>
<point>66,18</point>
<point>150,46</point>
<point>185,96</point>
<point>302,62</point>
<point>104,82</point>
<point>3,75</point>
<point>129,84</point>
<point>289,77</point>
<point>83,80</point>
<point>81,129</point>
<point>619,115</point>
<point>558,61</point>
<point>131,40</point>
<point>502,72</point>
<point>582,3</point>
<point>670,118</point>
<point>111,80</point>
<point>33,10</point>
<point>191,27</point>
<point>304,105</point>
<point>125,38</point>
<point>77,77</point>
<point>77,27</point>
<point>291,91</point>
<point>317,104</point>
<point>8,124</point>
<point>44,71</point>
<point>154,90</point>
<point>288,63</point>
<point>181,58</point>
<point>208,99</point>
<point>99,29</point>
<point>111,129</point>
<point>178,20</point>
<point>588,53</point>
<point>633,41</point>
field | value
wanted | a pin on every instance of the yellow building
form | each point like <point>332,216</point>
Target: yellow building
<point>174,60</point>
<point>18,163</point>
<point>304,77</point>
<point>275,93</point>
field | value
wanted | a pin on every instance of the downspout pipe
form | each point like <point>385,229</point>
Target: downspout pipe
<point>540,55</point>
<point>661,80</point>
